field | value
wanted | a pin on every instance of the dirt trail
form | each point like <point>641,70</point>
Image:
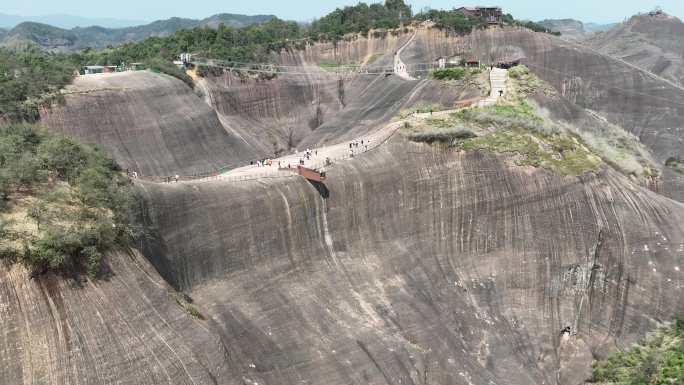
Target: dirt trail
<point>341,151</point>
<point>286,165</point>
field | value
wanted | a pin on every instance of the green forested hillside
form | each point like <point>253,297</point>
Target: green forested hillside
<point>27,77</point>
<point>658,360</point>
<point>360,18</point>
<point>72,40</point>
<point>62,204</point>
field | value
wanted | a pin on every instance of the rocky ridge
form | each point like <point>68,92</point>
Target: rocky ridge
<point>411,264</point>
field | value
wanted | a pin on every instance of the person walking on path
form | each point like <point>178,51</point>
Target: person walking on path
<point>176,178</point>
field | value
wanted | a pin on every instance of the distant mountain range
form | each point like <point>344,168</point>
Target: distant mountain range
<point>575,29</point>
<point>74,39</point>
<point>651,41</point>
<point>67,21</point>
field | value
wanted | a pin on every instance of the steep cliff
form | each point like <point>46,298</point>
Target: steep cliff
<point>314,105</point>
<point>423,266</point>
<point>127,328</point>
<point>151,123</point>
<point>412,263</point>
<point>651,41</point>
<point>643,105</point>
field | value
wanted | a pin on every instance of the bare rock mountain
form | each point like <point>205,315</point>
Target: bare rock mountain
<point>574,29</point>
<point>412,264</point>
<point>569,28</point>
<point>652,41</point>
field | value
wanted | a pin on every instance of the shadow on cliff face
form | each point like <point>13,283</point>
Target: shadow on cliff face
<point>321,188</point>
<point>419,266</point>
<point>425,266</point>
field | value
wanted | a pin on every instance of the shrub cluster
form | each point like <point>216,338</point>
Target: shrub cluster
<point>505,116</point>
<point>167,67</point>
<point>27,76</point>
<point>518,72</point>
<point>360,19</point>
<point>451,20</point>
<point>536,27</point>
<point>511,128</point>
<point>454,73</point>
<point>658,360</point>
<point>443,135</point>
<point>62,204</point>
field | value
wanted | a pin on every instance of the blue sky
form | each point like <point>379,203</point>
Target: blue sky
<point>586,10</point>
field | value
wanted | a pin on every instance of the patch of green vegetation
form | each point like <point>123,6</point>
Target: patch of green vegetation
<point>518,71</point>
<point>509,128</point>
<point>373,58</point>
<point>443,135</point>
<point>63,205</point>
<point>516,128</point>
<point>558,152</point>
<point>503,116</point>
<point>327,65</point>
<point>536,27</point>
<point>193,311</point>
<point>525,83</point>
<point>168,68</point>
<point>675,164</point>
<point>360,18</point>
<point>27,79</point>
<point>451,20</point>
<point>658,360</point>
<point>455,73</point>
<point>333,66</point>
<point>455,21</point>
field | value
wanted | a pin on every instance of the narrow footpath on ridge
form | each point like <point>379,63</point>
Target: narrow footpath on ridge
<point>320,158</point>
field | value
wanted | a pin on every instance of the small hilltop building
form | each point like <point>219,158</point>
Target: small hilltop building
<point>90,70</point>
<point>492,15</point>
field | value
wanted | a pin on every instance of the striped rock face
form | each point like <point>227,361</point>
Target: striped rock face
<point>409,264</point>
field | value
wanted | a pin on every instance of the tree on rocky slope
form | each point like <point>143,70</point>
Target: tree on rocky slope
<point>64,205</point>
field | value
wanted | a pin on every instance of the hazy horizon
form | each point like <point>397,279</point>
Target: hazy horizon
<point>134,13</point>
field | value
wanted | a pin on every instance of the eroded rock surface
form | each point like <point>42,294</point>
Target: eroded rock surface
<point>412,264</point>
<point>640,103</point>
<point>423,267</point>
<point>151,123</point>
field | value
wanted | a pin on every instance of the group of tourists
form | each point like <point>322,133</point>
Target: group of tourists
<point>308,153</point>
<point>356,144</point>
<point>354,147</point>
<point>170,179</point>
<point>262,163</point>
